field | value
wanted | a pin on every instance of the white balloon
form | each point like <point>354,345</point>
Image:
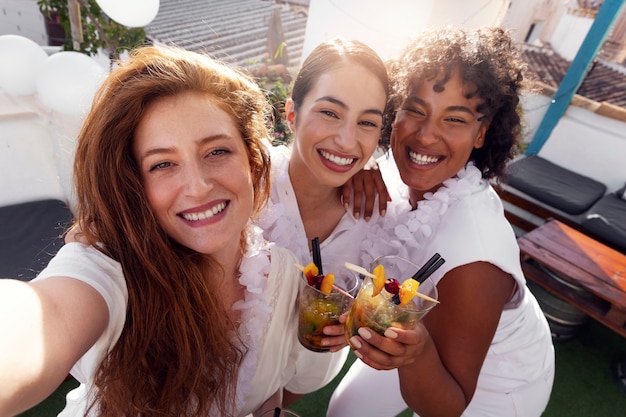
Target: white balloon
<point>20,60</point>
<point>135,13</point>
<point>68,81</point>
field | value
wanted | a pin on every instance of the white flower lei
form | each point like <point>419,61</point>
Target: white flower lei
<point>255,308</point>
<point>402,227</point>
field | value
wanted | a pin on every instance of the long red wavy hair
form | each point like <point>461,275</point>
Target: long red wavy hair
<point>178,354</point>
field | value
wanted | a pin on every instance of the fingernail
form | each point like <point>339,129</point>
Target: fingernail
<point>346,206</point>
<point>355,342</point>
<point>357,215</point>
<point>358,354</point>
<point>367,219</point>
<point>364,333</point>
<point>391,334</point>
<point>382,213</point>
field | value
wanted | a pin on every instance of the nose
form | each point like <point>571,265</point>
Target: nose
<point>346,137</point>
<point>196,179</point>
<point>428,132</point>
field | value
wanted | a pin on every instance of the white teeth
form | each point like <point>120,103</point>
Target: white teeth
<point>193,217</point>
<point>337,160</point>
<point>420,159</point>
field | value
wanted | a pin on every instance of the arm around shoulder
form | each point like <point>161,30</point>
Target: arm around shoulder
<point>46,326</point>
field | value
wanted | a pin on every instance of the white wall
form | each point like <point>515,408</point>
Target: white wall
<point>521,14</point>
<point>582,141</point>
<point>468,13</point>
<point>534,108</point>
<point>22,17</point>
<point>589,144</point>
<point>385,27</point>
<point>570,34</point>
<point>32,163</point>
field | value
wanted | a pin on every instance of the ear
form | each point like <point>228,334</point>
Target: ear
<point>480,138</point>
<point>290,115</point>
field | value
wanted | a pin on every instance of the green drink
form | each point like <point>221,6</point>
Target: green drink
<point>317,310</point>
<point>379,312</point>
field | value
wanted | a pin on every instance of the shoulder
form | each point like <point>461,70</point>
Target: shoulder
<point>279,154</point>
<point>474,230</point>
<point>284,263</point>
<point>87,264</point>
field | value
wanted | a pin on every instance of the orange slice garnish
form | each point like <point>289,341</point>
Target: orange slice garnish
<point>378,280</point>
<point>310,272</point>
<point>408,290</point>
<point>327,284</point>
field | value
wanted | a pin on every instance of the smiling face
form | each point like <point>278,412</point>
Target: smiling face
<point>196,173</point>
<point>434,133</point>
<point>337,126</point>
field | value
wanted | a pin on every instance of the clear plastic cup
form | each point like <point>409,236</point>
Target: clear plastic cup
<point>317,310</point>
<point>381,312</point>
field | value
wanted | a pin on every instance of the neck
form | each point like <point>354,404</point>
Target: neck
<point>319,205</point>
<point>415,196</point>
<point>309,191</point>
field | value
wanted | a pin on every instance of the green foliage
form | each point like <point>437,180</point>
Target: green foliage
<point>99,31</point>
<point>277,94</point>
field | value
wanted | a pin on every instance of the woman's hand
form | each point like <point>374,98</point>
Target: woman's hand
<point>367,183</point>
<point>396,349</point>
<point>338,332</point>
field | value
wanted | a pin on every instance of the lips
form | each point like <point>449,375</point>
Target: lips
<point>422,159</point>
<point>203,215</point>
<point>337,159</point>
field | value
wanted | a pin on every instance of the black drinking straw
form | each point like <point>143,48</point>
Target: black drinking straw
<point>277,412</point>
<point>317,254</point>
<point>428,268</point>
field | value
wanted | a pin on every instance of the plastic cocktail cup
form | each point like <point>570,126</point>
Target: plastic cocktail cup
<point>380,312</point>
<point>317,310</point>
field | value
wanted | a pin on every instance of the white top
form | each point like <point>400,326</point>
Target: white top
<point>268,323</point>
<point>464,222</point>
<point>282,224</point>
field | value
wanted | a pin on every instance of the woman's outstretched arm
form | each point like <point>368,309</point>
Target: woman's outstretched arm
<point>45,328</point>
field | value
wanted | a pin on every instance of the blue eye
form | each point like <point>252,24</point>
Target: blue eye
<point>160,165</point>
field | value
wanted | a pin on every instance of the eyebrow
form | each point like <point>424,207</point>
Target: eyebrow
<point>464,109</point>
<point>344,106</point>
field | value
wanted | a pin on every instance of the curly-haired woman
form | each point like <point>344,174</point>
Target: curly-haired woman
<point>486,349</point>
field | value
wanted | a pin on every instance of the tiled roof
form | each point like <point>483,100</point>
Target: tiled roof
<point>237,32</point>
<point>602,83</point>
<point>234,31</point>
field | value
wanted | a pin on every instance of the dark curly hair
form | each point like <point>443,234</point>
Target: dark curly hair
<point>486,58</point>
